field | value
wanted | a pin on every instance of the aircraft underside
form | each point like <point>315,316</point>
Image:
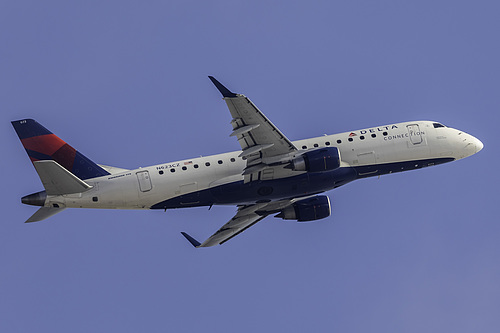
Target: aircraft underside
<point>240,193</point>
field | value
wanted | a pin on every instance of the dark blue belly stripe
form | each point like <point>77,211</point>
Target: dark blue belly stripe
<point>292,187</point>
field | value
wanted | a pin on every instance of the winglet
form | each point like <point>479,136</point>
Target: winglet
<point>191,240</point>
<point>223,90</point>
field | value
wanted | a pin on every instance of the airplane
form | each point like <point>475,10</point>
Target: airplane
<point>270,175</point>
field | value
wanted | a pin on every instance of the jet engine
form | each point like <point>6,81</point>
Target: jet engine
<point>309,209</point>
<point>319,160</point>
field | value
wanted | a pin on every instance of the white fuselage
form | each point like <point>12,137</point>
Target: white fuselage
<point>367,152</point>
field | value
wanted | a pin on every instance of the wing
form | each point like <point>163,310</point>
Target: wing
<point>246,217</point>
<point>262,144</point>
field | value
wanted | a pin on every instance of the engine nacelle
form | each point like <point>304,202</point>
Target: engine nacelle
<point>309,209</point>
<point>319,160</point>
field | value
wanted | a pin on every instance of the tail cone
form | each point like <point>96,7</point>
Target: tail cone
<point>35,199</point>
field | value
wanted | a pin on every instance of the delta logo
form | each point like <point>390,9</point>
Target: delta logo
<point>378,129</point>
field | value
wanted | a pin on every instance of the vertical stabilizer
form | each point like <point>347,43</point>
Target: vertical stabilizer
<point>41,144</point>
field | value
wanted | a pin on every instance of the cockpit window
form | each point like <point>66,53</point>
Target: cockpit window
<point>436,125</point>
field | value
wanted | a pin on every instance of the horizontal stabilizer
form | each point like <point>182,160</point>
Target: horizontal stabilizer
<point>43,213</point>
<point>57,180</point>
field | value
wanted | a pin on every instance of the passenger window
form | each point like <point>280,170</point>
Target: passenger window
<point>207,163</point>
<point>219,161</point>
<point>327,143</point>
<point>172,170</point>
<point>362,137</point>
<point>233,159</point>
<point>385,133</point>
<point>184,168</point>
<point>316,145</point>
<point>374,135</point>
<point>304,147</point>
<point>339,141</point>
<point>161,172</point>
<point>195,166</point>
<point>350,139</point>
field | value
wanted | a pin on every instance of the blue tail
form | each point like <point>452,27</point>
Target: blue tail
<point>42,144</point>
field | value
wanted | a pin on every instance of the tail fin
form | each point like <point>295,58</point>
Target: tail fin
<point>41,144</point>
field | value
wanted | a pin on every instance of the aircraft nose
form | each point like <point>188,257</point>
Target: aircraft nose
<point>467,145</point>
<point>473,145</point>
<point>479,145</point>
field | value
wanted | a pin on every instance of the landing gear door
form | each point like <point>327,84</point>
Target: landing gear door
<point>144,181</point>
<point>414,134</point>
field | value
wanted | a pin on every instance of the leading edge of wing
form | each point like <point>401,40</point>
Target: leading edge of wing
<point>223,90</point>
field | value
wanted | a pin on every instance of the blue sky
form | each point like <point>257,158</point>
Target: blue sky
<point>125,82</point>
